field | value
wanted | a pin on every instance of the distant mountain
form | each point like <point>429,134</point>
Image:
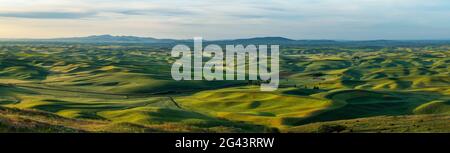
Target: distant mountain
<point>273,40</point>
<point>150,40</point>
<point>260,40</point>
<point>112,39</point>
<point>256,41</point>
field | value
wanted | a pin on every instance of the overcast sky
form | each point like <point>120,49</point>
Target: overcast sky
<point>222,19</point>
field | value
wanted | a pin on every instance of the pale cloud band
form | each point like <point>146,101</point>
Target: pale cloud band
<point>49,15</point>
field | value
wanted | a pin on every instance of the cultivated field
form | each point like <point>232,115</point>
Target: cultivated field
<point>70,87</point>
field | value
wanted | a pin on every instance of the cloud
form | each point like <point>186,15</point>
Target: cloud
<point>48,15</point>
<point>156,11</point>
<point>300,19</point>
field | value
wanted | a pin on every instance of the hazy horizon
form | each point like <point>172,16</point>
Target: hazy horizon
<point>68,37</point>
<point>233,19</point>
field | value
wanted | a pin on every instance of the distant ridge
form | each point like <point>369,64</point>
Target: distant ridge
<point>256,40</point>
<point>113,39</point>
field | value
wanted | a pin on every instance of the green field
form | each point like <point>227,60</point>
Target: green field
<point>67,87</point>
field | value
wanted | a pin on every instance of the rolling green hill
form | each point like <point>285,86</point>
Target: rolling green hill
<point>75,87</point>
<point>380,124</point>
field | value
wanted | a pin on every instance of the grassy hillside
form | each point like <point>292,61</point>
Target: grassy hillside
<point>128,88</point>
<point>381,124</point>
<point>251,105</point>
